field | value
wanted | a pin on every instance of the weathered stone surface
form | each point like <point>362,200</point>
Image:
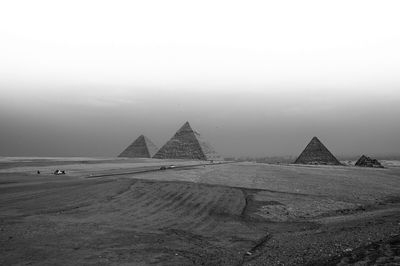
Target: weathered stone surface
<point>366,161</point>
<point>187,144</point>
<point>316,153</point>
<point>142,147</point>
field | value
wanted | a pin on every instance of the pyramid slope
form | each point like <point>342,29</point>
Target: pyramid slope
<point>142,147</point>
<point>316,153</point>
<point>187,144</point>
<point>365,161</point>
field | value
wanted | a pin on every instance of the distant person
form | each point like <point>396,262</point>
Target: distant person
<point>38,172</point>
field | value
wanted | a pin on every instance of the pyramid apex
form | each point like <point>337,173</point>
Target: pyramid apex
<point>186,127</point>
<point>141,138</point>
<point>315,139</point>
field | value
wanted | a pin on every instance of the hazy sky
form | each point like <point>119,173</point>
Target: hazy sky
<point>259,78</point>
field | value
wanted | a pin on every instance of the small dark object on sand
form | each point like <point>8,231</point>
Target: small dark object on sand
<point>38,172</point>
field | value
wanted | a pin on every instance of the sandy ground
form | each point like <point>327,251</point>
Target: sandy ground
<point>221,214</point>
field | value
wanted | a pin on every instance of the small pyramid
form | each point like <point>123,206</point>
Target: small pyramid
<point>142,147</point>
<point>316,153</point>
<point>187,144</point>
<point>365,161</point>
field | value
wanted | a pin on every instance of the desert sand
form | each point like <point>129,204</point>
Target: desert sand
<point>108,211</point>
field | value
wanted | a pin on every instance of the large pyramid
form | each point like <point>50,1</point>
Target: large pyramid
<point>316,153</point>
<point>187,144</point>
<point>142,147</point>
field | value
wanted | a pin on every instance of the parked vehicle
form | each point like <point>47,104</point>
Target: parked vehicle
<point>59,172</point>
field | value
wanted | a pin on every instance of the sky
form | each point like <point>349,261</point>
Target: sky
<point>255,78</point>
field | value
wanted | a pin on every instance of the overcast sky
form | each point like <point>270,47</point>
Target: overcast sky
<point>256,78</point>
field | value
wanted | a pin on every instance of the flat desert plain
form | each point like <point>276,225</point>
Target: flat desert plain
<point>108,211</point>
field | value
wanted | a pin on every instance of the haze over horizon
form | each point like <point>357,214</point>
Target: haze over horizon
<point>255,79</point>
